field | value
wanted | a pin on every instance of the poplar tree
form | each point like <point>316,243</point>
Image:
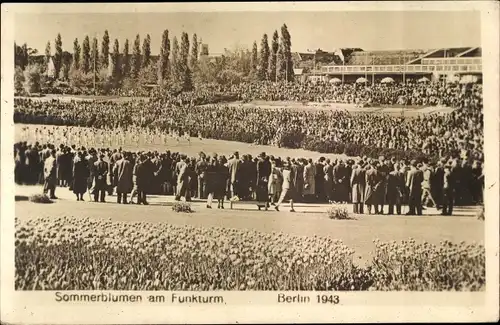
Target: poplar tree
<point>184,70</point>
<point>287,52</point>
<point>163,62</point>
<point>254,57</point>
<point>125,60</point>
<point>175,58</point>
<point>194,53</point>
<point>58,55</point>
<point>135,64</point>
<point>95,55</point>
<point>105,50</point>
<point>76,54</point>
<point>85,66</point>
<point>48,54</point>
<point>273,56</point>
<point>264,58</point>
<point>146,51</point>
<point>115,61</point>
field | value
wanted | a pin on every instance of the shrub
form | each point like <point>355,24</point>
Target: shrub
<point>182,207</point>
<point>339,213</point>
<point>40,198</point>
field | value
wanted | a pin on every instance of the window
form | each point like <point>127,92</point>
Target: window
<point>463,68</point>
<point>368,68</point>
<point>439,68</point>
<point>349,68</point>
<point>453,61</point>
<point>455,67</point>
<point>382,68</point>
<point>447,68</point>
<point>468,61</point>
<point>418,68</point>
<point>424,68</point>
<point>477,61</point>
<point>432,67</point>
<point>376,69</point>
<point>363,68</point>
<point>430,62</point>
<point>480,67</point>
<point>409,68</point>
<point>337,69</point>
<point>389,68</point>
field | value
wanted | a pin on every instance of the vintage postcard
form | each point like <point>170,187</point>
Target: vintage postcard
<point>250,162</point>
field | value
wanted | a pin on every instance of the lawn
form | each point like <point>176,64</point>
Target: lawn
<point>309,220</point>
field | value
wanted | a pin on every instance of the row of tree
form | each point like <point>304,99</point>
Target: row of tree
<point>179,64</point>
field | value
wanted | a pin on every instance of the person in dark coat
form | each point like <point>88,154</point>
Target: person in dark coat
<point>221,178</point>
<point>319,181</point>
<point>80,176</point>
<point>414,185</point>
<point>101,184</point>
<point>123,176</point>
<point>141,180</point>
<point>395,189</point>
<point>372,183</point>
<point>262,182</point>
<point>328,172</point>
<point>211,179</point>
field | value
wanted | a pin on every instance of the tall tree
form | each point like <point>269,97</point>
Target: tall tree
<point>194,53</point>
<point>114,65</point>
<point>76,54</point>
<point>95,55</point>
<point>125,60</point>
<point>105,50</point>
<point>135,64</point>
<point>287,52</point>
<point>264,58</point>
<point>175,58</point>
<point>146,51</point>
<point>48,54</point>
<point>58,55</point>
<point>163,62</point>
<point>184,70</point>
<point>273,56</point>
<point>86,55</point>
<point>254,58</point>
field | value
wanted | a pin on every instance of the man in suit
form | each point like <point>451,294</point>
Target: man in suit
<point>123,177</point>
<point>201,169</point>
<point>320,179</point>
<point>371,181</point>
<point>328,171</point>
<point>263,173</point>
<point>414,185</point>
<point>234,165</point>
<point>395,189</point>
<point>50,175</point>
<point>101,184</point>
<point>449,184</point>
<point>358,187</point>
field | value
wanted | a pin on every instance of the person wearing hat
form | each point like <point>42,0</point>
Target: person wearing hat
<point>414,185</point>
<point>262,182</point>
<point>309,181</point>
<point>100,179</point>
<point>80,175</point>
<point>234,165</point>
<point>372,180</point>
<point>358,183</point>
<point>395,189</point>
<point>448,190</point>
<point>123,176</point>
<point>287,188</point>
<point>328,171</point>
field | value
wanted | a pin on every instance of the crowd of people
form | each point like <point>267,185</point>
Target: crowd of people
<point>369,184</point>
<point>411,93</point>
<point>456,133</point>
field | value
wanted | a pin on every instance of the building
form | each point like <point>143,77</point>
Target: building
<point>401,66</point>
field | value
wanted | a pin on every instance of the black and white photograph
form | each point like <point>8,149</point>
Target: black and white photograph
<point>204,152</point>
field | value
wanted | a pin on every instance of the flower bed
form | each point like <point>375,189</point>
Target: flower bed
<point>90,254</point>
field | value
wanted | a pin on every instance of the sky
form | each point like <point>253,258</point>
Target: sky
<point>380,30</point>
